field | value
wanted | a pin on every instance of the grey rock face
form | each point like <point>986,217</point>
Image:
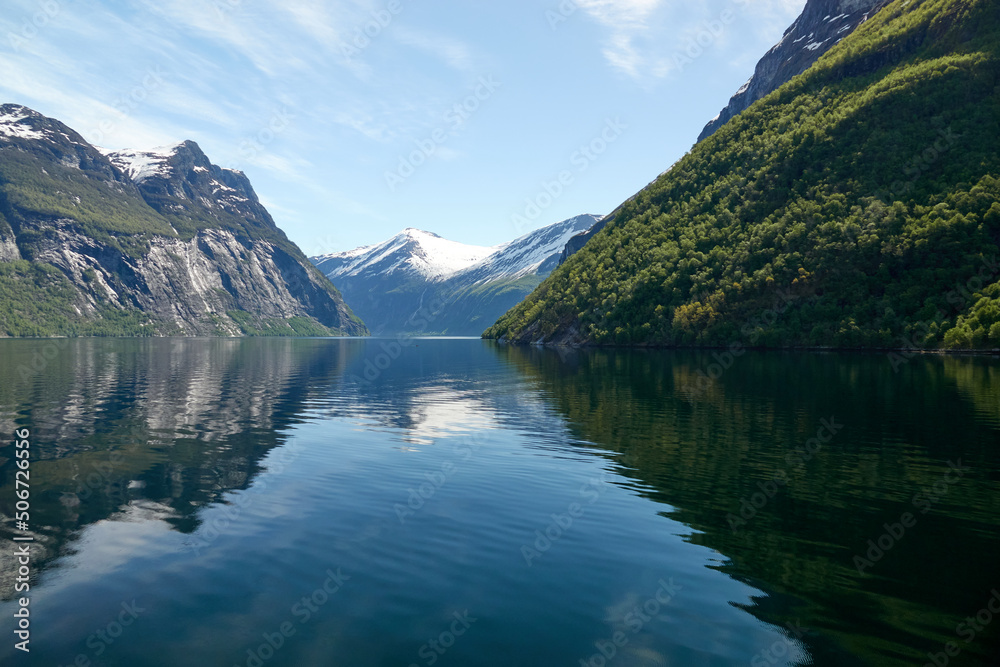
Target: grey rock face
<point>164,232</point>
<point>580,240</point>
<point>8,250</point>
<point>190,285</point>
<point>822,24</point>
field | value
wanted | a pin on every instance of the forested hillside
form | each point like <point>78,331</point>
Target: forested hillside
<point>856,206</point>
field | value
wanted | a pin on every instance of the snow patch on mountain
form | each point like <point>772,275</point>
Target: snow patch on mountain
<point>12,124</point>
<point>142,164</point>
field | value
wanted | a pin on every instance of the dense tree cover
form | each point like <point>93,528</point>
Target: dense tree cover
<point>855,206</point>
<point>39,300</point>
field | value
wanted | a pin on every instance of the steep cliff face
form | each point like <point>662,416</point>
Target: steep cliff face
<point>212,284</point>
<point>822,24</point>
<point>158,242</point>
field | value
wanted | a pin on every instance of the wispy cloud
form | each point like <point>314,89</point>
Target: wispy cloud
<point>365,124</point>
<point>627,19</point>
<point>453,52</point>
<point>643,34</point>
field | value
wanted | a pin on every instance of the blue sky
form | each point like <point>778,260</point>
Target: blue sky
<point>354,119</point>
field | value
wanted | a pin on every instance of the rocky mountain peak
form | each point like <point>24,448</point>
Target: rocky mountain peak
<point>822,24</point>
<point>180,180</point>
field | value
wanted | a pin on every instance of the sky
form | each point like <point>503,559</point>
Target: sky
<point>354,119</point>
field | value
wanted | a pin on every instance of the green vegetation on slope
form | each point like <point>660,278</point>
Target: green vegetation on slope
<point>855,206</point>
<point>38,300</point>
<point>52,190</point>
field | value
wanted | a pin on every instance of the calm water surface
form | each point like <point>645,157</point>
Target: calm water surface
<point>347,502</point>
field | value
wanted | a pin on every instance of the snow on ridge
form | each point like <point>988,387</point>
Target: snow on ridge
<point>438,259</point>
<point>139,165</point>
<point>11,125</point>
<point>425,253</point>
<point>523,255</point>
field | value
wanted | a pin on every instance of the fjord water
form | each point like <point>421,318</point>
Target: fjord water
<point>456,502</point>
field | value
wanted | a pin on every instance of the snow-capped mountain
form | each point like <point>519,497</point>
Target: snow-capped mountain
<point>535,253</point>
<point>411,253</point>
<point>419,283</point>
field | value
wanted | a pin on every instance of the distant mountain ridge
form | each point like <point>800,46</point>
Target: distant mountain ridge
<point>159,242</point>
<point>469,286</point>
<point>412,252</point>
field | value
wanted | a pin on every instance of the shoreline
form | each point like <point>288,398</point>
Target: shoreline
<point>913,351</point>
